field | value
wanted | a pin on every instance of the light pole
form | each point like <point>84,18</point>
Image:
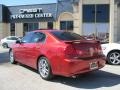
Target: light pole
<point>96,32</point>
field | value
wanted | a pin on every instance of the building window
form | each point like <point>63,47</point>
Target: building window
<point>27,27</point>
<point>12,29</point>
<point>102,13</point>
<point>88,13</point>
<point>50,25</point>
<point>96,21</point>
<point>96,13</point>
<point>66,25</point>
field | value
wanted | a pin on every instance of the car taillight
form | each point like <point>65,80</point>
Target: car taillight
<point>100,52</point>
<point>70,52</point>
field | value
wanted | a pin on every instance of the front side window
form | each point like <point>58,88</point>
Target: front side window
<point>27,38</point>
<point>14,38</point>
<point>66,25</point>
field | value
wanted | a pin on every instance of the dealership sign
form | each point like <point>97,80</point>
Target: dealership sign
<point>31,13</point>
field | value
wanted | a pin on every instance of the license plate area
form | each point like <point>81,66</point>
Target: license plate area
<point>93,65</point>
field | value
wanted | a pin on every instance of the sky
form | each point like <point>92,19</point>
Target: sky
<point>25,2</point>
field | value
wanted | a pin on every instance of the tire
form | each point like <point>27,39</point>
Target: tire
<point>11,56</point>
<point>113,58</point>
<point>44,69</point>
<point>5,45</point>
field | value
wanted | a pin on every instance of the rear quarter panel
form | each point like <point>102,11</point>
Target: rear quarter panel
<point>52,50</point>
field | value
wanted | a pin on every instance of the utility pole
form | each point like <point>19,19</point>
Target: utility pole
<point>96,32</point>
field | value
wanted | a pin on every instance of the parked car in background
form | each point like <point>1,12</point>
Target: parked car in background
<point>8,41</point>
<point>57,52</point>
<point>112,52</point>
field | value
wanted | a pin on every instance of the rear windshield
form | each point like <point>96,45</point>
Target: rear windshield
<point>68,36</point>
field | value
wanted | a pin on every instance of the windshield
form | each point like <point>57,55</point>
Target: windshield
<point>68,36</point>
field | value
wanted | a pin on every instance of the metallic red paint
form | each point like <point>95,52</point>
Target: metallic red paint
<point>54,50</point>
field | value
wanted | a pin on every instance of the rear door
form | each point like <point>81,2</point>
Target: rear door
<point>34,48</point>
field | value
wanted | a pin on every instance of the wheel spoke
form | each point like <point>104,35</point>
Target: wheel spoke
<point>43,68</point>
<point>118,56</point>
<point>118,61</point>
<point>114,55</point>
<point>111,57</point>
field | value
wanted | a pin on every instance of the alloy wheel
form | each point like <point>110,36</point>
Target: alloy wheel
<point>11,55</point>
<point>44,68</point>
<point>114,58</point>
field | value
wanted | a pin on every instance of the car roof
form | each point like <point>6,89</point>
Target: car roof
<point>47,30</point>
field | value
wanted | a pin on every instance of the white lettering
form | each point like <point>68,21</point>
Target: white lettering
<point>32,10</point>
<point>21,16</point>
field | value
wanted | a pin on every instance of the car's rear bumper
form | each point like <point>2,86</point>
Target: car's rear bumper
<point>75,67</point>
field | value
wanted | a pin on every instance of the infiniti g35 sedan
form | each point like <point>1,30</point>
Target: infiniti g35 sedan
<point>57,52</point>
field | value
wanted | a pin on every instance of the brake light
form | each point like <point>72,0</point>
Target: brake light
<point>100,50</point>
<point>70,52</point>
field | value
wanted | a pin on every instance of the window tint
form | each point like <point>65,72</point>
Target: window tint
<point>12,29</point>
<point>102,13</point>
<point>67,35</point>
<point>27,38</point>
<point>50,25</point>
<point>38,37</point>
<point>63,25</point>
<point>66,25</point>
<point>27,27</point>
<point>12,38</point>
<point>88,13</point>
<point>99,12</point>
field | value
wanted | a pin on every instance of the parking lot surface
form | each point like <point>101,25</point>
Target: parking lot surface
<point>20,77</point>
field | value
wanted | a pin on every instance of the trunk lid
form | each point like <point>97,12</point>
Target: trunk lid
<point>85,48</point>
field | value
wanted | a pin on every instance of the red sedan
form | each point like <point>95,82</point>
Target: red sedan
<point>55,52</point>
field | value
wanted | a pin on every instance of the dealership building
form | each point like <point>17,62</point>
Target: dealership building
<point>99,18</point>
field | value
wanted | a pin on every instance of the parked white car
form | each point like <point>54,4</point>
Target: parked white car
<point>8,41</point>
<point>112,52</point>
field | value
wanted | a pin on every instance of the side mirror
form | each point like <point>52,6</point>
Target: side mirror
<point>18,42</point>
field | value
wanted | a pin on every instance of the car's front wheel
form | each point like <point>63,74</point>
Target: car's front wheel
<point>5,45</point>
<point>11,56</point>
<point>44,68</point>
<point>114,58</point>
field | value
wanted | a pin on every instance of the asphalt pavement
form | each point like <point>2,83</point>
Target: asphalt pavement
<point>20,77</point>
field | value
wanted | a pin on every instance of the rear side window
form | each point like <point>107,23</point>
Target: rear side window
<point>67,36</point>
<point>38,37</point>
<point>12,38</point>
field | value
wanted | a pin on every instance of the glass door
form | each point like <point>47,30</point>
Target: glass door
<point>27,27</point>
